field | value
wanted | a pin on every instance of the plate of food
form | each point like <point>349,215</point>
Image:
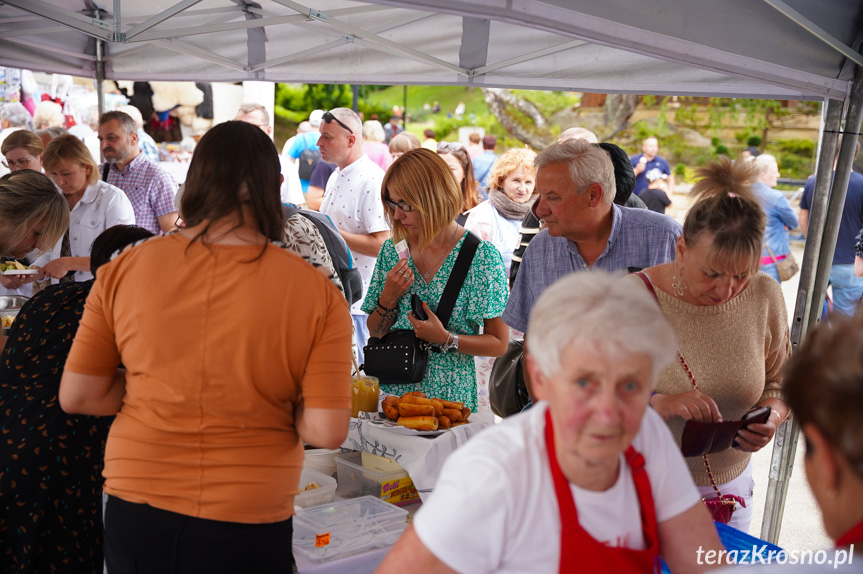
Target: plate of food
<point>16,268</point>
<point>416,414</point>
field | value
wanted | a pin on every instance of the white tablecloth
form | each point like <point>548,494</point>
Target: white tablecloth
<point>421,456</point>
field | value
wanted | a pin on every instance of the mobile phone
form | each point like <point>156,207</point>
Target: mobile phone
<point>417,307</point>
<point>759,416</point>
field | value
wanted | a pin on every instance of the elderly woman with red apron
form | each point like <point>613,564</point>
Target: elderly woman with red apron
<point>589,479</point>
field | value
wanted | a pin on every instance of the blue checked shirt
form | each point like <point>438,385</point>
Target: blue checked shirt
<point>639,238</point>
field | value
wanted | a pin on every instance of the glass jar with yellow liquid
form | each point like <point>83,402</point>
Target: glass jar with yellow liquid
<point>364,394</point>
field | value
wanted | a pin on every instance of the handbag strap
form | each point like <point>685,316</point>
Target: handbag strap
<point>689,374</point>
<point>770,251</point>
<point>105,169</point>
<point>456,278</point>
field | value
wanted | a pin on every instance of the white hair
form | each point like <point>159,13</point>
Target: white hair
<point>133,113</point>
<point>604,312</point>
<point>588,163</point>
<point>48,114</point>
<point>578,133</point>
<point>373,131</point>
<point>17,115</point>
<point>764,162</point>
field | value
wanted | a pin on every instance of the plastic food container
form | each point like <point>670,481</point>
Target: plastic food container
<point>347,527</point>
<point>308,498</point>
<point>321,459</point>
<point>394,486</point>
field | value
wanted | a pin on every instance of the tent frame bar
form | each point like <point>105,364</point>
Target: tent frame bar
<point>815,30</point>
<point>158,19</point>
<point>373,39</point>
<point>90,26</point>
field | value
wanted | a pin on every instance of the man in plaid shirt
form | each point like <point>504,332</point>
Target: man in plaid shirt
<point>150,188</point>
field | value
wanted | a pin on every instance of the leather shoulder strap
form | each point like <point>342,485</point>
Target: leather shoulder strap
<point>457,277</point>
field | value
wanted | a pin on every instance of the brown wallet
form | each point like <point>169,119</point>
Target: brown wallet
<point>708,438</point>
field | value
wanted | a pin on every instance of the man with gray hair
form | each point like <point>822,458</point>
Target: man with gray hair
<point>147,144</point>
<point>13,117</point>
<point>353,199</point>
<point>584,229</point>
<point>150,188</point>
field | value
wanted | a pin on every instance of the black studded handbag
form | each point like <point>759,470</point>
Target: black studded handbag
<point>399,357</point>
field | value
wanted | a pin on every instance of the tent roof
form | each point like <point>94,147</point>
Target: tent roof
<point>789,49</point>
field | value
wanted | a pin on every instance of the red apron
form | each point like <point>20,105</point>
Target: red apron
<point>853,536</point>
<point>579,551</point>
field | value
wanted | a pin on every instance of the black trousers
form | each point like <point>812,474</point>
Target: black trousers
<point>140,539</point>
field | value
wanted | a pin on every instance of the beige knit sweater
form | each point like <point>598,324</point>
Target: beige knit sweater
<point>736,352</point>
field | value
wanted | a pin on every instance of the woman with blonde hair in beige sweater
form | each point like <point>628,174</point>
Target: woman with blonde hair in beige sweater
<point>731,326</point>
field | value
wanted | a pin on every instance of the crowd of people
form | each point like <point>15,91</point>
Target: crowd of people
<point>170,354</point>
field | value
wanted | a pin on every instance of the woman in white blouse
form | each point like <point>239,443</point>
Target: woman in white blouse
<point>510,195</point>
<point>93,204</point>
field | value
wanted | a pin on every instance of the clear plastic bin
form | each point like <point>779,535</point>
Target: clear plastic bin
<point>308,498</point>
<point>395,487</point>
<point>347,527</point>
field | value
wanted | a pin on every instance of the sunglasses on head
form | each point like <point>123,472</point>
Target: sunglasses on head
<point>329,118</point>
<point>447,147</point>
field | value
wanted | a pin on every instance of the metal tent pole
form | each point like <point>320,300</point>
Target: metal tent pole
<point>100,76</point>
<point>823,229</point>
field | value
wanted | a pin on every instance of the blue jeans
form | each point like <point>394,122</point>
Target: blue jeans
<point>362,334</point>
<point>847,288</point>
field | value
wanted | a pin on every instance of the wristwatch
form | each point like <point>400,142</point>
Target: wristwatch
<point>452,346</point>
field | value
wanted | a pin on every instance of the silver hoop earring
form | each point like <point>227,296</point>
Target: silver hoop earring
<point>678,283</point>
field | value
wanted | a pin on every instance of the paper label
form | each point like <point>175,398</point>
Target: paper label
<point>398,491</point>
<point>322,540</point>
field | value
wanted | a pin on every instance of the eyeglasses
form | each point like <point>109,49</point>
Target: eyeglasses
<point>329,118</point>
<point>20,164</point>
<point>400,204</point>
<point>447,147</point>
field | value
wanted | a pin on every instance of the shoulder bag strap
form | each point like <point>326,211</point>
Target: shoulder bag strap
<point>105,169</point>
<point>649,284</point>
<point>770,251</point>
<point>456,278</point>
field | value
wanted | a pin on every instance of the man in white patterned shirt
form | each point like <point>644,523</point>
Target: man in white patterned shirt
<point>150,188</point>
<point>353,199</point>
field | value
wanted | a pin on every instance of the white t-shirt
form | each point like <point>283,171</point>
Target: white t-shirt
<point>494,508</point>
<point>489,225</point>
<point>292,190</point>
<point>353,201</point>
<point>102,206</point>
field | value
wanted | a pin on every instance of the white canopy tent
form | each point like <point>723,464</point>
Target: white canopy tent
<point>785,49</point>
<point>738,48</point>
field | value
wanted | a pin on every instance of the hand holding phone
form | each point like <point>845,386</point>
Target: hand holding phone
<point>758,415</point>
<point>417,308</point>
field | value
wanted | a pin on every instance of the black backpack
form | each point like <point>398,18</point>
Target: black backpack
<point>306,162</point>
<point>343,261</point>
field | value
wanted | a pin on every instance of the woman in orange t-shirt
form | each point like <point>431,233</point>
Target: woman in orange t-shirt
<point>234,349</point>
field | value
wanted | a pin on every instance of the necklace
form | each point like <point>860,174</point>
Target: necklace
<point>436,265</point>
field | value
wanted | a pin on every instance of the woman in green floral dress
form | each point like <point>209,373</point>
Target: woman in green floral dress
<point>421,200</point>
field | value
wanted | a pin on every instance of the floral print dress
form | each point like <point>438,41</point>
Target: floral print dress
<point>450,376</point>
<point>50,462</point>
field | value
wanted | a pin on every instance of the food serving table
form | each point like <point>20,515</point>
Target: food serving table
<point>420,455</point>
<point>362,563</point>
